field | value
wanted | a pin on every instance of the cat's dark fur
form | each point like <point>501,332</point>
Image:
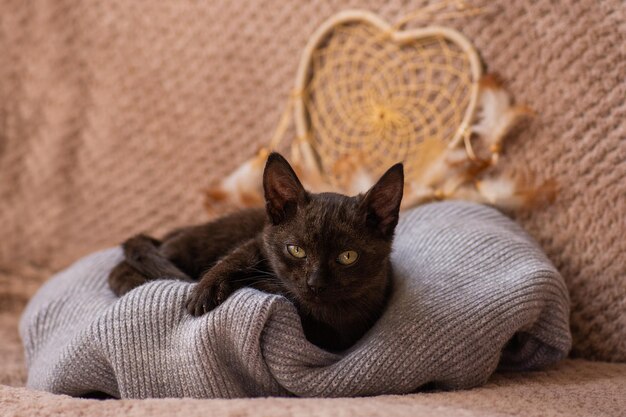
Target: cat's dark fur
<point>337,303</point>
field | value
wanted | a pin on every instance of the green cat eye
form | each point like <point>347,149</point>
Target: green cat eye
<point>296,251</point>
<point>348,257</point>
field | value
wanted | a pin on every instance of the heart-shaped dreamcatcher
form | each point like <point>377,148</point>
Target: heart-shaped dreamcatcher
<point>369,94</point>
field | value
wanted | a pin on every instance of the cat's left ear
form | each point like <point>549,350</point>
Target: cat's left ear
<point>382,202</point>
<point>283,190</point>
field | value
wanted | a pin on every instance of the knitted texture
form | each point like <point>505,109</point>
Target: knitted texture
<point>467,279</point>
<point>114,115</point>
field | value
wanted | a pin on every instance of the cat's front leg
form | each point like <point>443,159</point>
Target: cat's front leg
<point>219,282</point>
<point>210,292</point>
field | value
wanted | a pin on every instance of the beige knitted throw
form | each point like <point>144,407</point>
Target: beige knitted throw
<point>472,293</point>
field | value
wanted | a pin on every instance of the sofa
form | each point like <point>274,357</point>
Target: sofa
<point>115,116</point>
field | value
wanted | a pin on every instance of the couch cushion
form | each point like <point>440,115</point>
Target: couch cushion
<point>574,388</point>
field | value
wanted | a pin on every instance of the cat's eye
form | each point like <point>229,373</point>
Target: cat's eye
<point>348,257</point>
<point>296,251</point>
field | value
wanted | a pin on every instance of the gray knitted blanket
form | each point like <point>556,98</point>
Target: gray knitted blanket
<point>473,293</point>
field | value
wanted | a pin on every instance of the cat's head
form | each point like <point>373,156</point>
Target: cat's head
<point>327,248</point>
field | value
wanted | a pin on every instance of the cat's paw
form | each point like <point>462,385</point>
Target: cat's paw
<point>205,298</point>
<point>124,278</point>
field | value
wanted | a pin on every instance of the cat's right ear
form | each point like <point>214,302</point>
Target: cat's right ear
<point>283,190</point>
<point>382,202</point>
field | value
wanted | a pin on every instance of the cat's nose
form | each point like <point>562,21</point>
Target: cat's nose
<point>315,283</point>
<point>316,288</point>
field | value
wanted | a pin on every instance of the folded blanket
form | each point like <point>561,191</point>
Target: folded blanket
<point>472,293</point>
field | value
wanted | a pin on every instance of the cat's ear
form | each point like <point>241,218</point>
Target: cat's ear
<point>283,190</point>
<point>382,202</point>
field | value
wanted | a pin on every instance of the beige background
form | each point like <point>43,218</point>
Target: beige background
<point>115,115</point>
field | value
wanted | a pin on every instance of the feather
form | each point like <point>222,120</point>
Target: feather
<point>352,176</point>
<point>416,194</point>
<point>242,188</point>
<point>497,115</point>
<point>509,194</point>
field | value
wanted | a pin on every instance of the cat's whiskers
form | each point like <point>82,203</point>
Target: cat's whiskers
<point>261,271</point>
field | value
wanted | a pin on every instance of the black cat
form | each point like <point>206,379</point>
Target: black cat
<point>327,253</point>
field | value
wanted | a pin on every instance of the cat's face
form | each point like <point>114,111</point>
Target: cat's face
<point>329,248</point>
